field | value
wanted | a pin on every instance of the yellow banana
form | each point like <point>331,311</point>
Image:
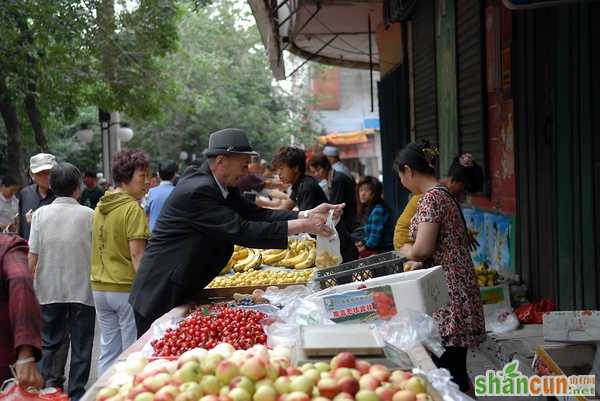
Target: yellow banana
<point>240,265</point>
<point>240,254</point>
<point>274,258</point>
<point>288,255</point>
<point>293,261</point>
<point>268,252</point>
<point>309,261</point>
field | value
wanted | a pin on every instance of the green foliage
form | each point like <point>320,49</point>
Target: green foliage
<point>176,70</point>
<point>223,80</point>
<point>58,50</point>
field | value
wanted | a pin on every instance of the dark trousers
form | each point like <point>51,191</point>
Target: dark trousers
<point>63,321</point>
<point>142,324</point>
<point>455,361</point>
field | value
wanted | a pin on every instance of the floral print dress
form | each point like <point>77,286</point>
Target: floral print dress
<point>461,323</point>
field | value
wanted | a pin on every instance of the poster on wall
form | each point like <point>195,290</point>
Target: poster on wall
<point>497,229</point>
<point>475,224</point>
<point>493,233</point>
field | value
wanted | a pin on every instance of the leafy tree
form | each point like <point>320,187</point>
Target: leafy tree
<point>223,80</point>
<point>61,55</point>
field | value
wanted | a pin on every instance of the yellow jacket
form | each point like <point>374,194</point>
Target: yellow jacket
<point>401,236</point>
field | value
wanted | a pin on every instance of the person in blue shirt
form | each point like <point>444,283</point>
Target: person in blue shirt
<point>159,194</point>
<point>378,230</point>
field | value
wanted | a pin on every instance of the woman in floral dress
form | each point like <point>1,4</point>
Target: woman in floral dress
<point>440,238</point>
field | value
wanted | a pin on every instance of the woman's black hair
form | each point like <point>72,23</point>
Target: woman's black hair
<point>419,157</point>
<point>466,171</point>
<point>376,186</point>
<point>320,161</point>
<point>7,181</point>
<point>291,157</point>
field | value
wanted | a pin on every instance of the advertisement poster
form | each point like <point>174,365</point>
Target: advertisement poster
<point>493,233</point>
<point>366,305</point>
<point>475,224</point>
<point>497,228</point>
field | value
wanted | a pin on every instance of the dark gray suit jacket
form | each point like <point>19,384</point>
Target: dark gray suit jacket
<point>193,240</point>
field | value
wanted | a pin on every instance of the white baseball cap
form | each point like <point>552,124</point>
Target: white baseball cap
<point>331,151</point>
<point>41,162</point>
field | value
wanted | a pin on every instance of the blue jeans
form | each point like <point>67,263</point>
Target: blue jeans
<point>61,321</point>
<point>117,326</point>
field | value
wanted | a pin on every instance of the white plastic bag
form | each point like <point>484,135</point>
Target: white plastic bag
<point>410,328</point>
<point>328,248</point>
<point>501,321</point>
<point>441,380</point>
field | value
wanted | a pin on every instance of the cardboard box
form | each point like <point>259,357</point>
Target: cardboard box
<point>568,359</point>
<point>572,326</point>
<point>496,296</point>
<point>380,298</point>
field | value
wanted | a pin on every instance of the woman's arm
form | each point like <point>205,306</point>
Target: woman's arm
<point>425,244</point>
<point>137,248</point>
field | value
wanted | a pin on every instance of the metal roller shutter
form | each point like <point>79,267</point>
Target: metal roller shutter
<point>471,94</point>
<point>425,100</point>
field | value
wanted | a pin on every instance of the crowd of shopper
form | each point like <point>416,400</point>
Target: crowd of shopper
<point>125,256</point>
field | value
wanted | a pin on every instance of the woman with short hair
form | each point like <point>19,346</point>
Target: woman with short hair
<point>120,234</point>
<point>306,193</point>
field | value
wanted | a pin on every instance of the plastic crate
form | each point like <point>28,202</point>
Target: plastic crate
<point>360,270</point>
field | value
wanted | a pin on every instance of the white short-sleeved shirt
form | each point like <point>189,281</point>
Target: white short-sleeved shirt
<point>8,210</point>
<point>61,236</point>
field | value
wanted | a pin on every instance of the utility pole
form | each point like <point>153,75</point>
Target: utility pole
<point>111,143</point>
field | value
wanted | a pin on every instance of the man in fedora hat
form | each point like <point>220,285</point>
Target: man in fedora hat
<point>202,219</point>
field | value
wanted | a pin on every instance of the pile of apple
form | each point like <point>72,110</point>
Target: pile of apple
<point>258,374</point>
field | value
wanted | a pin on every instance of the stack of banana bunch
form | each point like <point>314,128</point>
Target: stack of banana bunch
<point>487,277</point>
<point>300,254</point>
<point>243,260</point>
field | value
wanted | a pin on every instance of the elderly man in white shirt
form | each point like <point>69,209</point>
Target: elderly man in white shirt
<point>60,257</point>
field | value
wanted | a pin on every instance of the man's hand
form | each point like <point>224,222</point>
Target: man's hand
<point>324,208</point>
<point>317,225</point>
<point>412,265</point>
<point>26,373</point>
<point>28,376</point>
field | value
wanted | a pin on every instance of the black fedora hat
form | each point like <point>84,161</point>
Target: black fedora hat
<point>229,141</point>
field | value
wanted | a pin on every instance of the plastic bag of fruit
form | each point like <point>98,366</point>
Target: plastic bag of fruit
<point>328,248</point>
<point>409,328</point>
<point>441,381</point>
<point>11,391</point>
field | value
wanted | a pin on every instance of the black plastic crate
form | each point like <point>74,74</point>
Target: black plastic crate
<point>360,270</point>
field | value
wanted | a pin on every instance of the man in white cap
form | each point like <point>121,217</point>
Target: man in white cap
<point>333,155</point>
<point>37,194</point>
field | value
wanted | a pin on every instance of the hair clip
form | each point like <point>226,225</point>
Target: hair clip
<point>431,154</point>
<point>466,160</point>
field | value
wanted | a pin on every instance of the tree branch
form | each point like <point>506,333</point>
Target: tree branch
<point>14,156</point>
<point>35,118</point>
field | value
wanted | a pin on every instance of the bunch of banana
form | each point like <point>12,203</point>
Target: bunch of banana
<point>486,277</point>
<point>299,255</point>
<point>273,256</point>
<point>252,260</point>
